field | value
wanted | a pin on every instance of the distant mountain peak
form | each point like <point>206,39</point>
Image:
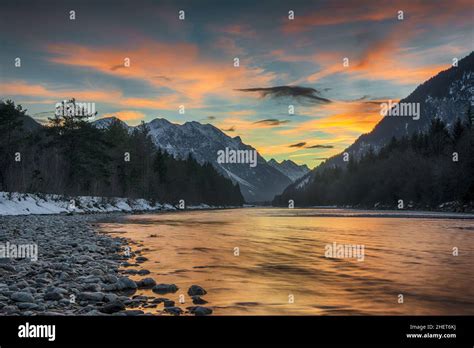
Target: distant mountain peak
<point>106,121</point>
<point>290,168</point>
<point>160,122</point>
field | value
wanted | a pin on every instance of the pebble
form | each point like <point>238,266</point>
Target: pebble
<point>78,271</point>
<point>22,297</point>
<point>165,288</point>
<point>146,283</point>
<point>199,310</point>
<point>196,290</point>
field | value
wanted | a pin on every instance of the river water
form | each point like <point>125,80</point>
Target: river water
<point>269,261</point>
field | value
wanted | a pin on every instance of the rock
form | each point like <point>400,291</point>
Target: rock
<point>199,310</point>
<point>143,272</point>
<point>159,300</point>
<point>141,259</point>
<point>65,302</point>
<point>174,310</point>
<point>133,312</point>
<point>196,290</point>
<point>42,281</point>
<point>91,288</point>
<point>64,276</point>
<point>125,283</point>
<point>146,283</point>
<point>198,300</point>
<point>141,298</point>
<point>22,284</point>
<point>53,313</point>
<point>165,288</point>
<point>10,309</point>
<point>109,287</point>
<point>97,272</point>
<point>59,290</point>
<point>52,296</point>
<point>91,279</point>
<point>112,307</point>
<point>128,264</point>
<point>91,296</point>
<point>110,297</point>
<point>7,267</point>
<point>22,297</point>
<point>168,303</point>
<point>28,306</point>
<point>110,279</point>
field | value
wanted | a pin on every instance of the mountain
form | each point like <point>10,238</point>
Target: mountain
<point>105,122</point>
<point>290,169</point>
<point>29,124</point>
<point>445,96</point>
<point>203,141</point>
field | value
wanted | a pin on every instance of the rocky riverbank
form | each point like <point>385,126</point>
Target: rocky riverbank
<point>77,271</point>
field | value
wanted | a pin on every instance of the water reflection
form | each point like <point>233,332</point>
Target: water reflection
<point>281,254</point>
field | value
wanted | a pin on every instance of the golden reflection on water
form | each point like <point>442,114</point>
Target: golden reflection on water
<point>281,255</point>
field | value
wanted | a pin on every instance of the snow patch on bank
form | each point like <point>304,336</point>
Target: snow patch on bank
<point>15,203</point>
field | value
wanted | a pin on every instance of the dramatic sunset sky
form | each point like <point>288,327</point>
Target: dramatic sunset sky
<point>191,63</point>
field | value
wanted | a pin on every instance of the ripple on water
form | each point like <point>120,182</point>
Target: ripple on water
<point>282,253</point>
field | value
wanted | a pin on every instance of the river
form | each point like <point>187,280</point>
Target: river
<point>269,261</point>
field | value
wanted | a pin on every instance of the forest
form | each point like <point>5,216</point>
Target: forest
<point>422,170</point>
<point>70,156</point>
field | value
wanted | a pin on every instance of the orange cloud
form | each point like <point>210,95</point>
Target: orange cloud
<point>344,118</point>
<point>340,14</point>
<point>22,88</point>
<point>385,59</point>
<point>191,76</point>
<point>242,113</point>
<point>343,12</point>
<point>127,115</point>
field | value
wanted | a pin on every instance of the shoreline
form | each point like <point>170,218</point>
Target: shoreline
<point>79,271</point>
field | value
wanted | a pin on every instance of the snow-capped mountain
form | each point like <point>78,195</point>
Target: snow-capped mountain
<point>446,96</point>
<point>203,141</point>
<point>290,168</point>
<point>105,123</point>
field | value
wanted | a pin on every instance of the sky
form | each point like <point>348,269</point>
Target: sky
<point>283,63</point>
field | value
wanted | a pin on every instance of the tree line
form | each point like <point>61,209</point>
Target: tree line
<point>423,170</point>
<point>70,156</point>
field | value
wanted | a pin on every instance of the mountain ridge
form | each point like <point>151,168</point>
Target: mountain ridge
<point>290,168</point>
<point>203,141</point>
<point>446,95</point>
